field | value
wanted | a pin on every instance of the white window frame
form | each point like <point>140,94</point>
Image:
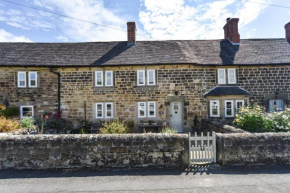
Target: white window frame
<point>282,102</point>
<point>238,101</point>
<point>142,71</point>
<point>106,78</point>
<point>29,79</point>
<point>232,108</point>
<point>18,79</point>
<point>112,110</point>
<point>225,76</point>
<point>235,76</point>
<point>27,106</point>
<point>148,106</point>
<point>139,116</point>
<point>218,108</point>
<point>154,77</point>
<point>96,110</point>
<point>96,79</point>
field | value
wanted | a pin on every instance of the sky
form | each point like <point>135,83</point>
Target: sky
<point>155,19</point>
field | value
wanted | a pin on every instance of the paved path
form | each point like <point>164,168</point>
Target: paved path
<point>202,179</point>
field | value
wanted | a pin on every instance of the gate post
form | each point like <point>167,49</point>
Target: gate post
<point>186,154</point>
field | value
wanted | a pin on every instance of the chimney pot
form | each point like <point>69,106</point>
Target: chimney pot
<point>287,29</point>
<point>131,32</point>
<point>231,31</point>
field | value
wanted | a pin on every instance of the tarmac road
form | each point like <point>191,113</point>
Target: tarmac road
<point>197,179</point>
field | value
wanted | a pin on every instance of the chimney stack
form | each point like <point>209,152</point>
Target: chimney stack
<point>287,29</point>
<point>131,31</point>
<point>231,31</point>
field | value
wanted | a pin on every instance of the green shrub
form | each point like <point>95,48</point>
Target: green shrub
<point>168,130</point>
<point>116,126</point>
<point>27,122</point>
<point>10,112</point>
<point>8,125</point>
<point>131,123</point>
<point>255,119</point>
<point>52,122</point>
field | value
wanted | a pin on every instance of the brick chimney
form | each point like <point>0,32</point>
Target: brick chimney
<point>131,31</point>
<point>287,29</point>
<point>231,31</point>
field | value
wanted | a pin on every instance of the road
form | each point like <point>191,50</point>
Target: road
<point>198,179</point>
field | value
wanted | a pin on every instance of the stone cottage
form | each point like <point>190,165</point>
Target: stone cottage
<point>172,81</point>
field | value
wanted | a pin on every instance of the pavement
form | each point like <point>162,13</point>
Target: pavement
<point>199,179</point>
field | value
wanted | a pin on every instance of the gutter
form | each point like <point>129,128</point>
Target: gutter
<point>58,89</point>
<point>153,64</point>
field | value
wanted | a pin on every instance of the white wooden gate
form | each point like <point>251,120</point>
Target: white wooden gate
<point>202,149</point>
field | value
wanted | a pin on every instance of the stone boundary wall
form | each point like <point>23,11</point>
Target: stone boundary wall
<point>93,151</point>
<point>253,149</point>
<point>208,125</point>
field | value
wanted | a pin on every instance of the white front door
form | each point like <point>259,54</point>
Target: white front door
<point>176,116</point>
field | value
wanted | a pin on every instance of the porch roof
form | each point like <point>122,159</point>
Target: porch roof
<point>227,90</point>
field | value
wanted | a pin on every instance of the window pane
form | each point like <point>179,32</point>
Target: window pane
<point>99,78</point>
<point>32,83</point>
<point>22,76</point>
<point>229,108</point>
<point>221,76</point>
<point>231,74</point>
<point>27,112</point>
<point>99,110</point>
<point>151,77</point>
<point>142,109</point>
<point>214,108</point>
<point>152,109</point>
<point>22,83</point>
<point>32,76</point>
<point>239,105</point>
<point>109,78</point>
<point>141,78</point>
<point>109,109</point>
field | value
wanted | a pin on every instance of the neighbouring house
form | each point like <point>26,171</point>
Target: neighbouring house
<point>169,81</point>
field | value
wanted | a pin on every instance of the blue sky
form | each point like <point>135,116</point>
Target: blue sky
<point>156,19</point>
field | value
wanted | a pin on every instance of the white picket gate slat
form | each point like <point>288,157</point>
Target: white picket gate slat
<point>203,150</point>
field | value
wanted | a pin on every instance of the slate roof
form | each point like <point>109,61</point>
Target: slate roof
<point>199,52</point>
<point>226,90</point>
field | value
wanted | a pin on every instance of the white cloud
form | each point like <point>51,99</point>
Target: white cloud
<point>62,38</point>
<point>173,19</point>
<point>26,21</point>
<point>92,11</point>
<point>8,37</point>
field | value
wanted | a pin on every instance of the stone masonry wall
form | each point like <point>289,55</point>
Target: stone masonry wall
<point>262,81</point>
<point>43,98</point>
<point>190,82</point>
<point>253,149</point>
<point>94,151</point>
<point>208,125</point>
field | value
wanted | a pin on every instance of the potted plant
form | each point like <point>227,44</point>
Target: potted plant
<point>131,124</point>
<point>145,122</point>
<point>154,122</point>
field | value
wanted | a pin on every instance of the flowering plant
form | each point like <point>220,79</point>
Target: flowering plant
<point>255,119</point>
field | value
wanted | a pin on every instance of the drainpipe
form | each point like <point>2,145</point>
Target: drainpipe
<point>58,89</point>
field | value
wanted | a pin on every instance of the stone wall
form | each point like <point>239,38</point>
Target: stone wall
<point>94,151</point>
<point>253,149</point>
<point>190,82</point>
<point>208,125</point>
<point>43,98</point>
<point>263,81</point>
